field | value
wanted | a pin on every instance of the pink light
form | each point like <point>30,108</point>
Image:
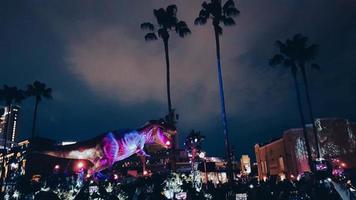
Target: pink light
<point>343,164</point>
<point>145,172</point>
<point>168,143</point>
<point>56,167</point>
<point>116,176</point>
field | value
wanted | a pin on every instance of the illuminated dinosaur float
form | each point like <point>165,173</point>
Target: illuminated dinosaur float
<point>103,151</point>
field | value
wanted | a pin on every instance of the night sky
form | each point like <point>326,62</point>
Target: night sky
<point>105,76</point>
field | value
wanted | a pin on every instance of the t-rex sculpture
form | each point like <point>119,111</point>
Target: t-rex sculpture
<point>103,151</point>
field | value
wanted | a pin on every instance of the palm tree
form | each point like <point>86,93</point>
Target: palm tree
<point>304,54</point>
<point>194,140</point>
<point>167,21</point>
<point>220,15</point>
<point>39,91</point>
<point>8,95</point>
<point>294,54</point>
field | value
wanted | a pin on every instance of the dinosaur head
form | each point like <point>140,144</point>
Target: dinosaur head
<point>161,132</point>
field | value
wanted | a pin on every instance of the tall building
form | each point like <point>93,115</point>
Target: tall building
<point>8,121</point>
<point>287,156</point>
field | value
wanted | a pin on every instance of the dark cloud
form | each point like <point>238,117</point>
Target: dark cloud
<point>105,76</point>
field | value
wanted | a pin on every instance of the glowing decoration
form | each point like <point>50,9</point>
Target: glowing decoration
<point>16,195</point>
<point>14,165</point>
<point>173,185</point>
<point>116,177</point>
<point>106,149</point>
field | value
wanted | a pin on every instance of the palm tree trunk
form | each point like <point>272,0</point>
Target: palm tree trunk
<point>305,133</point>
<point>165,41</point>
<point>34,118</point>
<point>170,113</point>
<point>311,115</point>
<point>223,112</point>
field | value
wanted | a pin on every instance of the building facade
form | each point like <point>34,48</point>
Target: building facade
<point>8,124</point>
<point>287,156</point>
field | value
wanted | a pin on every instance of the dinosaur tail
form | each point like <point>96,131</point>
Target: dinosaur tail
<point>72,152</point>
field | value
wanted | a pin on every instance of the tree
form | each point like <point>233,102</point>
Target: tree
<point>194,140</point>
<point>295,54</point>
<point>220,15</point>
<point>304,55</point>
<point>39,91</point>
<point>8,95</point>
<point>167,21</point>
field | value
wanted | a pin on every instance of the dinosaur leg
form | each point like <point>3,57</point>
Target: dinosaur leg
<point>99,165</point>
<point>143,161</point>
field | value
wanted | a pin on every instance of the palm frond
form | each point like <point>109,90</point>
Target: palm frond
<point>299,37</point>
<point>181,26</point>
<point>160,15</point>
<point>231,12</point>
<point>276,60</point>
<point>229,4</point>
<point>203,13</point>
<point>172,10</point>
<point>184,32</point>
<point>147,26</point>
<point>280,45</point>
<point>228,21</point>
<point>200,21</point>
<point>150,37</point>
<point>205,5</point>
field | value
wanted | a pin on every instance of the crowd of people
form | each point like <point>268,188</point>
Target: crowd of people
<point>155,188</point>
